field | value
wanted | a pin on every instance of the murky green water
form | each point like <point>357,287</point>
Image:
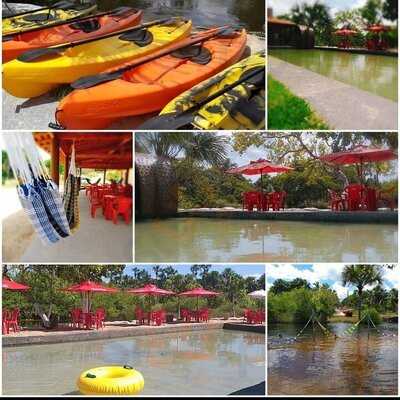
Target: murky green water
<point>353,365</point>
<point>204,363</point>
<point>375,74</point>
<point>224,240</point>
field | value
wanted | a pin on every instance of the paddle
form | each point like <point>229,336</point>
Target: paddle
<point>93,80</point>
<point>64,4</point>
<point>115,12</point>
<point>32,55</point>
<point>173,121</point>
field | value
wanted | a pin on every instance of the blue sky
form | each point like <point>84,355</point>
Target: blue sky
<point>283,6</point>
<point>324,273</point>
<point>242,269</point>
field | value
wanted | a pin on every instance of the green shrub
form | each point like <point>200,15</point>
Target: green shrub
<point>373,314</point>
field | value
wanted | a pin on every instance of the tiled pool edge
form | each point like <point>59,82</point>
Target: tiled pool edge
<point>377,217</point>
<point>124,332</point>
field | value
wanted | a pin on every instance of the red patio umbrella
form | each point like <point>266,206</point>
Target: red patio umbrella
<point>87,287</point>
<point>345,32</point>
<point>7,283</point>
<point>259,167</point>
<point>359,155</point>
<point>377,28</point>
<point>151,290</point>
<point>199,292</point>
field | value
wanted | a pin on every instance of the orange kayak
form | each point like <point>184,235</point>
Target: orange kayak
<point>68,31</point>
<point>148,87</point>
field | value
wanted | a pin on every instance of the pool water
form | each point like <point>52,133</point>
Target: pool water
<point>224,240</point>
<point>360,364</point>
<point>372,73</point>
<point>195,363</point>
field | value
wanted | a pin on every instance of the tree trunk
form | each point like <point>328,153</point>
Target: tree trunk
<point>359,303</point>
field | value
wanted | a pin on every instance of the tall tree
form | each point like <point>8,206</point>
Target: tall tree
<point>390,9</point>
<point>360,276</point>
<point>371,12</point>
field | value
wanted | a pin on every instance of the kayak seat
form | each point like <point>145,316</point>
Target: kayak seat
<point>195,53</point>
<point>257,80</point>
<point>249,108</point>
<point>141,37</point>
<point>86,26</point>
<point>39,17</point>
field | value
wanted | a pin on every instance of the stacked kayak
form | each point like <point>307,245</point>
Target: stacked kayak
<point>148,87</point>
<point>69,31</point>
<point>242,107</point>
<point>36,72</point>
<point>61,11</point>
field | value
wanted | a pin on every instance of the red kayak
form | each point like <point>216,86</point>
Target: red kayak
<point>69,31</point>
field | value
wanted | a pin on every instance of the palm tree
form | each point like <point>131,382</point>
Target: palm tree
<point>196,147</point>
<point>361,276</point>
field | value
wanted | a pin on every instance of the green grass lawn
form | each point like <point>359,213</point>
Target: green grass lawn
<point>287,111</point>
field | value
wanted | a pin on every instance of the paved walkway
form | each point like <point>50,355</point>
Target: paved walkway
<point>96,241</point>
<point>340,105</point>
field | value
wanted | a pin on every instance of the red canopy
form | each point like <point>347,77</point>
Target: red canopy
<point>199,292</point>
<point>151,290</point>
<point>345,32</point>
<point>11,285</point>
<point>89,286</point>
<point>360,154</point>
<point>377,28</point>
<point>261,166</point>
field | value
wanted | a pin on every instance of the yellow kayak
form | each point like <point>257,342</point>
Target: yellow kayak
<point>45,17</point>
<point>30,79</point>
<point>242,107</point>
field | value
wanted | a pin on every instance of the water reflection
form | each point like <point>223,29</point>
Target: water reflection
<point>213,240</point>
<point>364,363</point>
<point>375,74</point>
<point>246,13</point>
<point>213,362</point>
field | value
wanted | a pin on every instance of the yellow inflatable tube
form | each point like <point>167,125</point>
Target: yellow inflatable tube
<point>113,380</point>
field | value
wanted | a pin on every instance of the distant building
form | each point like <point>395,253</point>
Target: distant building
<point>285,33</point>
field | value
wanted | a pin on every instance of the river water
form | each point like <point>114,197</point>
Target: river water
<point>361,364</point>
<point>216,240</point>
<point>375,74</point>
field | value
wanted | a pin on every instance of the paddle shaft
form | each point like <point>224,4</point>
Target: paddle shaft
<point>161,53</point>
<point>36,10</point>
<point>70,21</point>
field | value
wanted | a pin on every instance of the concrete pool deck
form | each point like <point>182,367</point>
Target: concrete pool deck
<point>340,105</point>
<point>121,329</point>
<point>303,215</point>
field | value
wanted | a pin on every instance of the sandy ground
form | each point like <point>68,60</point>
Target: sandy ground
<point>36,113</point>
<point>96,241</point>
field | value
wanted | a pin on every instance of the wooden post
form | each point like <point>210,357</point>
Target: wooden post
<point>66,166</point>
<point>55,159</point>
<point>104,177</point>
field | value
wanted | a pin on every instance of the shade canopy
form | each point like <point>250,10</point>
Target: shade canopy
<point>90,287</point>
<point>260,166</point>
<point>94,150</point>
<point>377,28</point>
<point>199,292</point>
<point>11,285</point>
<point>258,294</point>
<point>360,154</point>
<point>151,290</point>
<point>345,32</point>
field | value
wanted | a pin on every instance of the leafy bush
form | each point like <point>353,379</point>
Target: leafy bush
<point>373,314</point>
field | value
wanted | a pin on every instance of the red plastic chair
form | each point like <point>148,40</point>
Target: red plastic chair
<point>99,318</point>
<point>335,201</point>
<point>5,318</point>
<point>12,321</point>
<point>371,199</point>
<point>251,200</point>
<point>95,202</point>
<point>259,317</point>
<point>354,197</point>
<point>140,315</point>
<point>204,315</point>
<point>76,317</point>
<point>186,314</point>
<point>277,200</point>
<point>122,206</point>
<point>248,316</point>
<point>157,317</point>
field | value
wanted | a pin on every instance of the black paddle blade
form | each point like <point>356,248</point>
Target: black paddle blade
<point>172,121</point>
<point>93,80</point>
<point>34,55</point>
<point>64,4</point>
